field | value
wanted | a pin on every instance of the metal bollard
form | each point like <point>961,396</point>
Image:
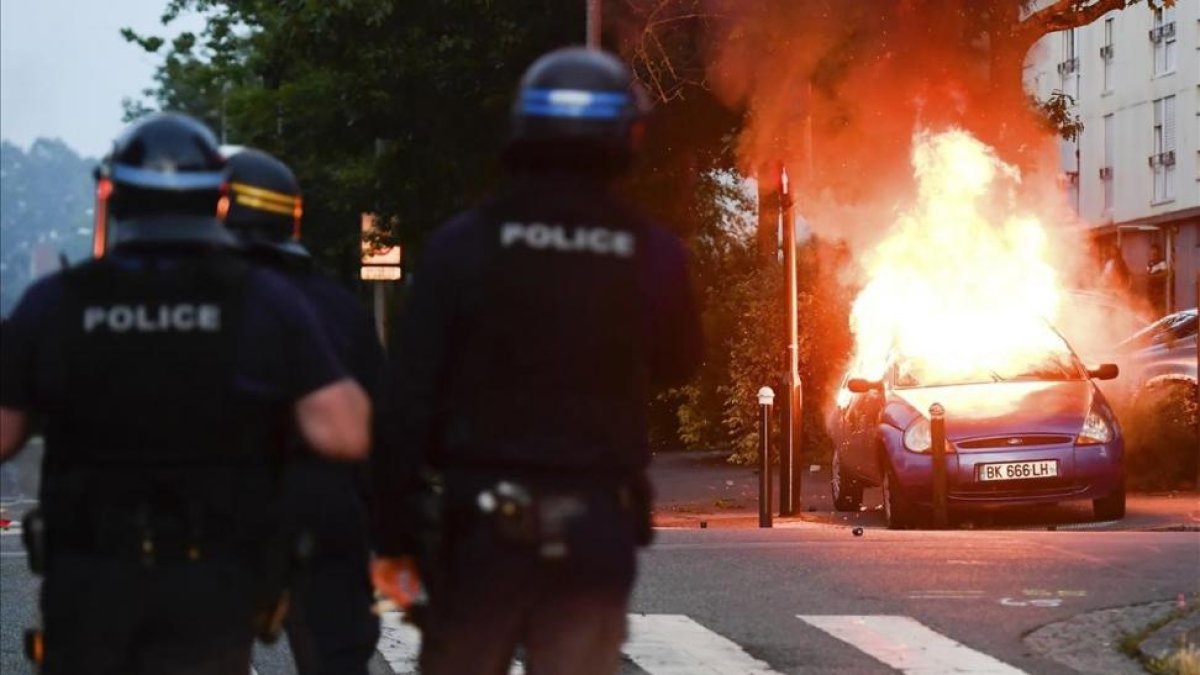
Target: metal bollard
<point>937,434</point>
<point>766,396</point>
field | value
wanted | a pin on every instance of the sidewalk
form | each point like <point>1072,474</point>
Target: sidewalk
<point>1125,640</point>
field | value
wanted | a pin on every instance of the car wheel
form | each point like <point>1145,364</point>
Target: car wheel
<point>899,512</point>
<point>847,492</point>
<point>1111,507</point>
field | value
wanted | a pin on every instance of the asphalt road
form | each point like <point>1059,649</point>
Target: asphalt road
<point>975,587</point>
<point>726,600</point>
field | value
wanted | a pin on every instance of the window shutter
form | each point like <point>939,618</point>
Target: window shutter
<point>1168,122</point>
<point>1108,140</point>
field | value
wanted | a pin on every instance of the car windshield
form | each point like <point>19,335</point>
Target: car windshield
<point>1052,365</point>
<point>1177,326</point>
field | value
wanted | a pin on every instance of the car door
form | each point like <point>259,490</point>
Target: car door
<point>861,427</point>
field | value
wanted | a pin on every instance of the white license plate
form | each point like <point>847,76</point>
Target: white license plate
<point>1042,468</point>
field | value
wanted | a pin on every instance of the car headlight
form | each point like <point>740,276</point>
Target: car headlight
<point>918,437</point>
<point>1096,430</point>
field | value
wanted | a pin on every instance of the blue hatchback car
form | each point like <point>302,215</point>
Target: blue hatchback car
<point>1042,432</point>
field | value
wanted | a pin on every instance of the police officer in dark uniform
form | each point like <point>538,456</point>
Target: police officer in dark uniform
<point>162,372</point>
<point>331,628</point>
<point>538,326</point>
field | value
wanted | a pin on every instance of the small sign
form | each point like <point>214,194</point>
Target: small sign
<point>378,263</point>
<point>380,273</point>
<point>372,254</point>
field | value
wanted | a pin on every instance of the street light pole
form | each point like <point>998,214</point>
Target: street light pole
<point>593,24</point>
<point>790,448</point>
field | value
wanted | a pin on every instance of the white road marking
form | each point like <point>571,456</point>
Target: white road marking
<point>1035,602</point>
<point>400,644</point>
<point>673,644</point>
<point>909,646</point>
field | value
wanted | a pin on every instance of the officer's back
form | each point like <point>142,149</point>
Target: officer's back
<point>537,328</point>
<point>559,290</point>
<point>164,372</point>
<point>330,624</point>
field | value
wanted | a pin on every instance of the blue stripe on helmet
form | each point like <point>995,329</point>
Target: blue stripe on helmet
<point>166,180</point>
<point>573,103</point>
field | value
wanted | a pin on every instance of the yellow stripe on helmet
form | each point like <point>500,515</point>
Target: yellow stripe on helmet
<point>280,198</point>
<point>264,205</point>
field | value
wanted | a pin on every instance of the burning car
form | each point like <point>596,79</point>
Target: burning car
<point>1018,431</point>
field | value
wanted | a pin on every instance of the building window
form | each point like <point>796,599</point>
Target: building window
<point>1162,162</point>
<point>1106,170</point>
<point>1068,68</point>
<point>1163,37</point>
<point>1106,55</point>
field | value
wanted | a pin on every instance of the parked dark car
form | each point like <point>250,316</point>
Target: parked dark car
<point>1039,433</point>
<point>1162,355</point>
<point>1157,395</point>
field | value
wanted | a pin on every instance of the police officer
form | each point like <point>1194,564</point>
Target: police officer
<point>538,325</point>
<point>331,628</point>
<point>161,372</point>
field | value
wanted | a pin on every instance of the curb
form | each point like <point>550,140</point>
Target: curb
<point>1178,634</point>
<point>1090,642</point>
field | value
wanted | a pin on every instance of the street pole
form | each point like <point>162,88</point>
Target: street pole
<point>789,456</point>
<point>766,396</point>
<point>937,433</point>
<point>594,16</point>
<point>381,312</point>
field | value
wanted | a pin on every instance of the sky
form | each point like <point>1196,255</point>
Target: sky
<point>64,68</point>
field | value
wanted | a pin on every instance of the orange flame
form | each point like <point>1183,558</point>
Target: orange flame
<point>963,285</point>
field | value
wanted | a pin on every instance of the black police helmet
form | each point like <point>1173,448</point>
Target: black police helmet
<point>576,109</point>
<point>262,203</point>
<point>165,177</point>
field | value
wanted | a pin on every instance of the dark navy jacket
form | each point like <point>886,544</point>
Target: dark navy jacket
<point>329,497</point>
<point>282,352</point>
<point>163,377</point>
<point>537,329</point>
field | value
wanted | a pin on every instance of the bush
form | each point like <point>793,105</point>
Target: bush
<point>745,318</point>
<point>1162,447</point>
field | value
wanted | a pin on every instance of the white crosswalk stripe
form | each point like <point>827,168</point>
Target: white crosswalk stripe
<point>909,646</point>
<point>674,644</point>
<point>400,643</point>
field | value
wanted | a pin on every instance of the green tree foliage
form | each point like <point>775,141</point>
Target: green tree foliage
<point>394,108</point>
<point>45,211</point>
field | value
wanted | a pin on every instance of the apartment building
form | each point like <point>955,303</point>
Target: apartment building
<point>1134,173</point>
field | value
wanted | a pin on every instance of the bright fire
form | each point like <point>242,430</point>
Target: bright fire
<point>962,285</point>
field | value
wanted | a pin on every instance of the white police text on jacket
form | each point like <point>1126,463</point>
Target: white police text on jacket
<point>181,318</point>
<point>579,239</point>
